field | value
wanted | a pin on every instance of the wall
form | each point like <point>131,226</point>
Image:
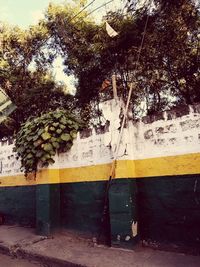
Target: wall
<point>162,150</point>
<point>169,210</point>
<point>169,200</point>
<point>17,203</point>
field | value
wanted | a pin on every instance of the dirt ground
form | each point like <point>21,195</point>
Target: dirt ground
<point>67,249</point>
<point>13,262</point>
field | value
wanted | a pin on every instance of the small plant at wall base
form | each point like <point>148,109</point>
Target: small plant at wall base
<point>40,138</point>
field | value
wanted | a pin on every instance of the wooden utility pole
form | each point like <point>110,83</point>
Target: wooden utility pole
<point>114,85</point>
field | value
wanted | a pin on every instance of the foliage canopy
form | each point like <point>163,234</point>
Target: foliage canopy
<point>168,70</point>
<point>167,74</point>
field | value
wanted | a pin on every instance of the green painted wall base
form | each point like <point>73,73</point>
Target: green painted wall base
<point>82,206</point>
<point>47,208</point>
<point>17,203</point>
<point>169,209</point>
<point>82,209</point>
<point>123,212</point>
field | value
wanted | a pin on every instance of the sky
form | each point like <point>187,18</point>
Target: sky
<point>24,13</point>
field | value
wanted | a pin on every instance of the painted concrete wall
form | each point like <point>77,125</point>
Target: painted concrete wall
<point>170,134</point>
<point>17,203</point>
<point>169,210</point>
<point>160,147</point>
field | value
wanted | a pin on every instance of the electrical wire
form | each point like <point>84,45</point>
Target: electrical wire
<point>74,25</point>
<point>131,87</point>
<point>86,6</point>
<point>99,7</point>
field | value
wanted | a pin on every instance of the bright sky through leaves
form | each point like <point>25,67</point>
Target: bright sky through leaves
<point>24,13</point>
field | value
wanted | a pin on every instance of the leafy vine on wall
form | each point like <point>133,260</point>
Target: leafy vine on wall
<point>40,138</point>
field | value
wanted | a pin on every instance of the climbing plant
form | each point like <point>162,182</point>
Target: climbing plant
<point>40,138</point>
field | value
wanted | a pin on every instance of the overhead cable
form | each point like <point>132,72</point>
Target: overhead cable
<point>86,6</point>
<point>99,7</point>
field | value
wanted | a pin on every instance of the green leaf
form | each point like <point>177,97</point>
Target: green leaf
<point>52,129</point>
<point>59,131</point>
<point>63,120</point>
<point>45,157</point>
<point>65,137</point>
<point>29,162</point>
<point>53,139</point>
<point>69,122</point>
<point>57,115</point>
<point>62,126</point>
<point>52,153</point>
<point>73,134</point>
<point>46,136</point>
<point>48,147</point>
<point>76,126</point>
<point>55,144</point>
<point>55,124</point>
<point>29,156</point>
<point>35,137</point>
<point>40,132</point>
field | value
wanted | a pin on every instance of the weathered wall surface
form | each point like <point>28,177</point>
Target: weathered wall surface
<point>169,209</point>
<point>167,140</point>
<point>167,157</point>
<point>163,151</point>
<point>17,203</point>
<point>169,200</point>
<point>170,133</point>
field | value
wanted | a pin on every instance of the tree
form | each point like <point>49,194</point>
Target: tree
<point>168,70</point>
<point>166,75</point>
<point>170,58</point>
<point>25,61</point>
<point>89,53</point>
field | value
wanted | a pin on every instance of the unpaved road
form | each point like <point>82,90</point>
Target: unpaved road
<point>6,261</point>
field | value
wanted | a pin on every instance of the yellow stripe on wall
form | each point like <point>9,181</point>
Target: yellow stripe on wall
<point>17,180</point>
<point>87,173</point>
<point>48,176</point>
<point>171,165</point>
